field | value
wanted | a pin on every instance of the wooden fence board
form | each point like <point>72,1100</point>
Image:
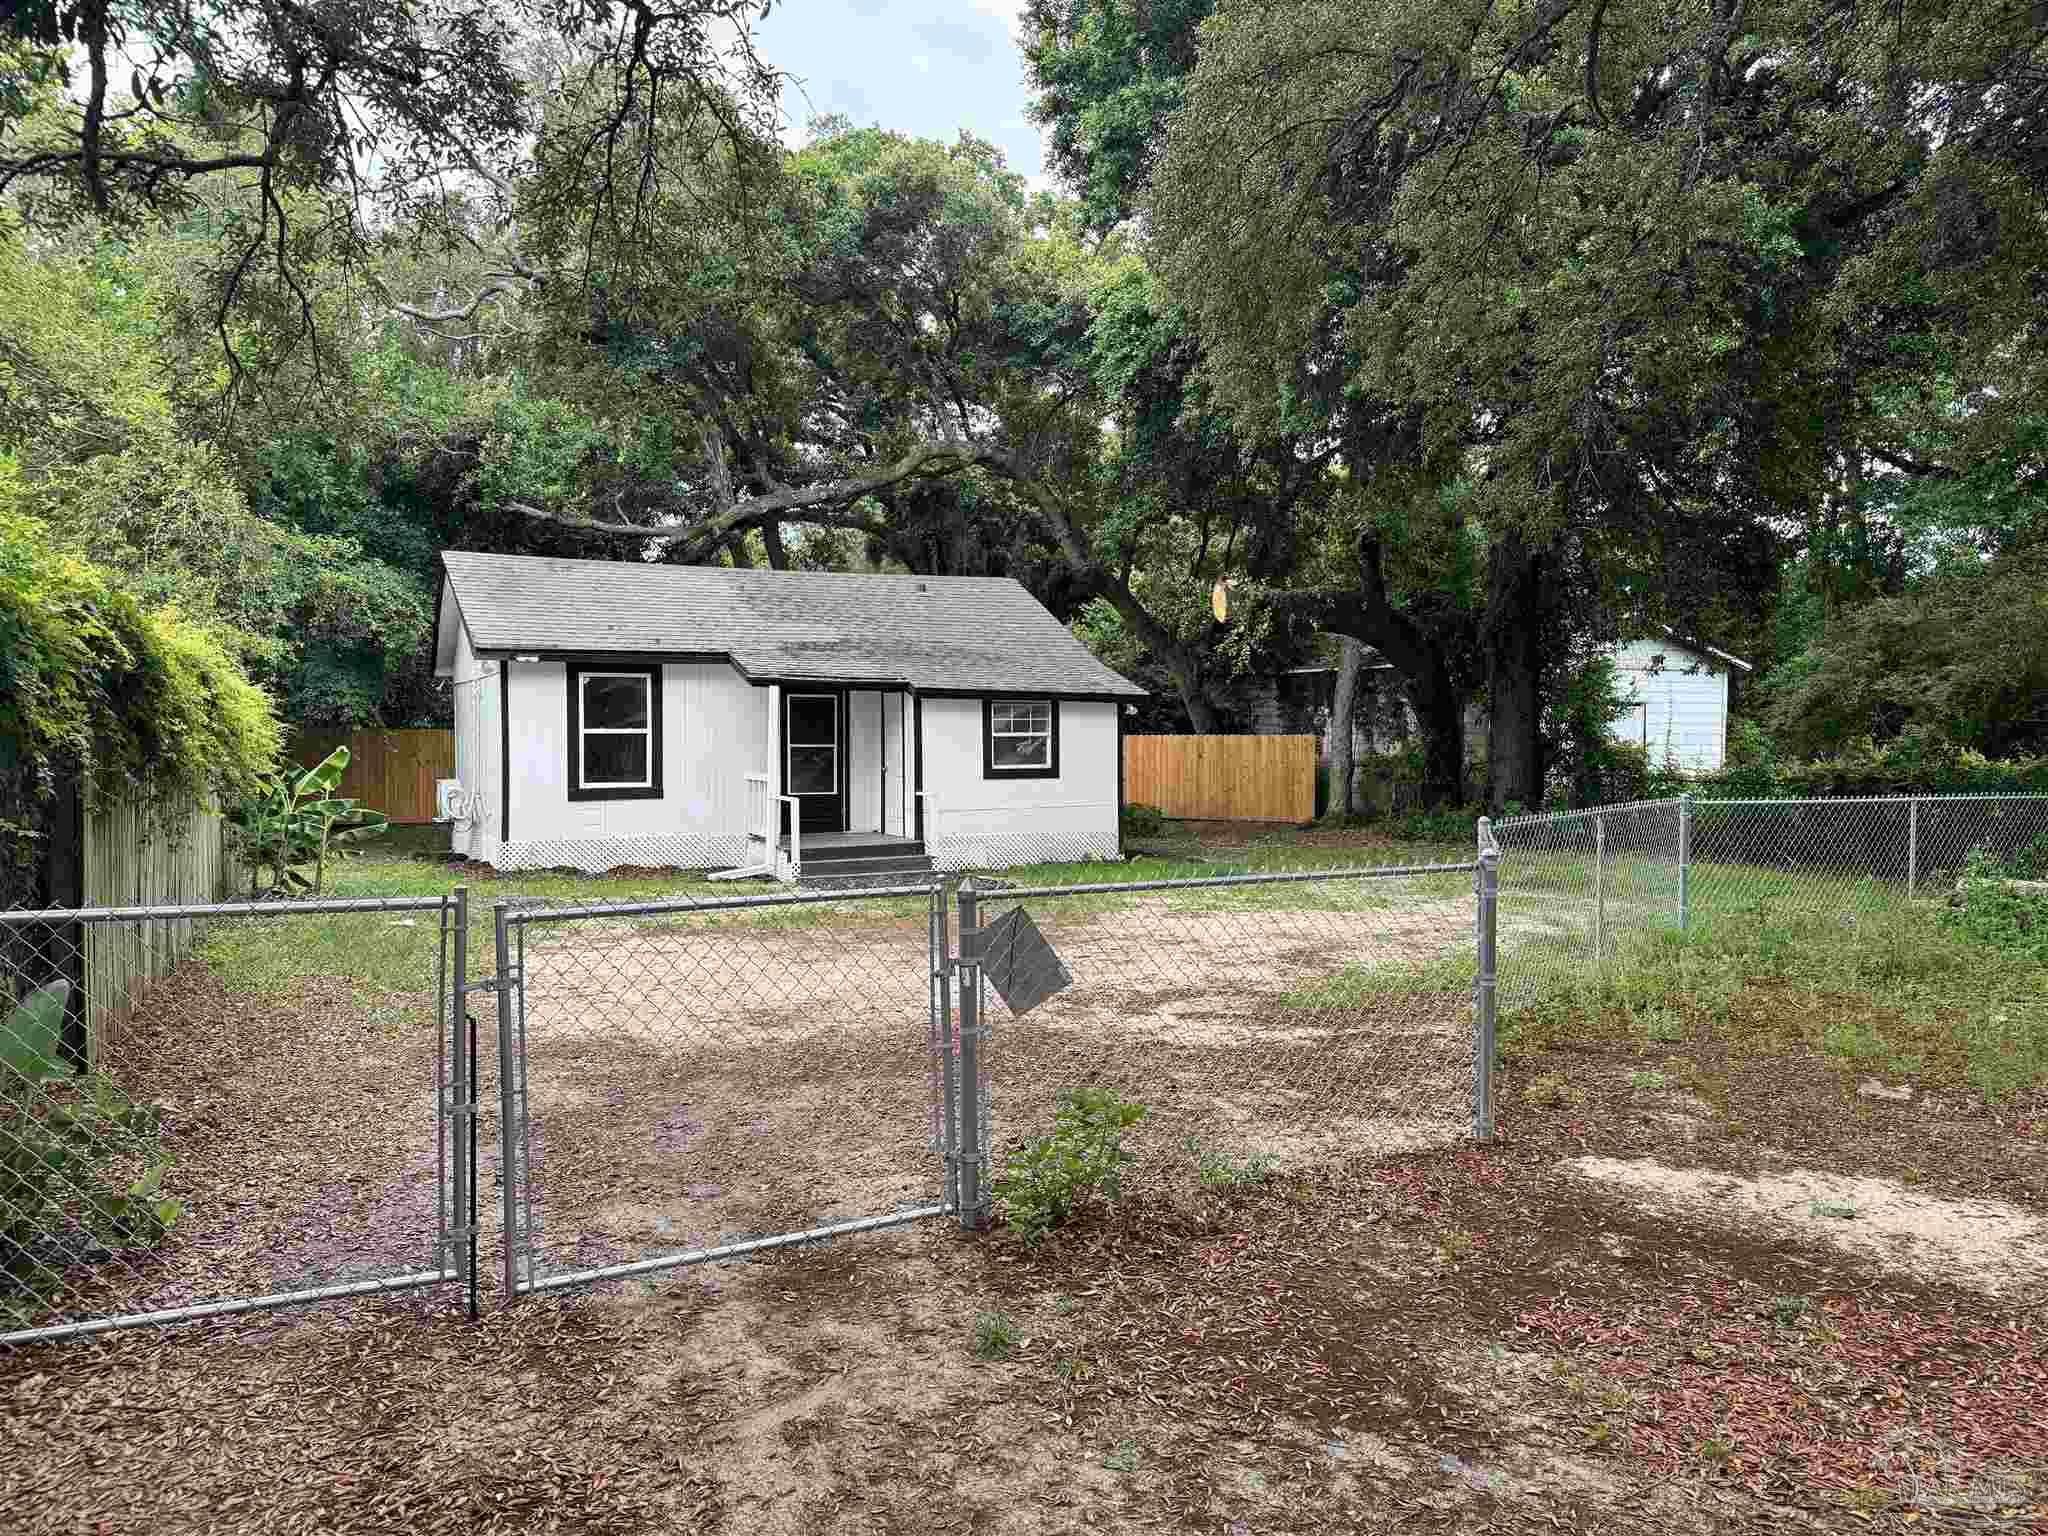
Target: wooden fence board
<point>389,771</point>
<point>1223,778</point>
<point>128,861</point>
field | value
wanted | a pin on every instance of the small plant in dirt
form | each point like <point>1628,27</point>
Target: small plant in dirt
<point>1659,1022</point>
<point>1550,1090</point>
<point>1648,1080</point>
<point>995,1336</point>
<point>1079,1161</point>
<point>1124,1458</point>
<point>1787,1310</point>
<point>1220,1171</point>
<point>1716,1452</point>
<point>1457,1245</point>
<point>1835,1210</point>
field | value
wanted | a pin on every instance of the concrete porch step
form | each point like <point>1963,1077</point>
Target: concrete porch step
<point>855,874</point>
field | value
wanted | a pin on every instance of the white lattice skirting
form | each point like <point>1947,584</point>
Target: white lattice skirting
<point>595,855</point>
<point>1006,849</point>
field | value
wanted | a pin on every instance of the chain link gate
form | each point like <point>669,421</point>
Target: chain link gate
<point>690,1080</point>
<point>1273,1020</point>
<point>214,1109</point>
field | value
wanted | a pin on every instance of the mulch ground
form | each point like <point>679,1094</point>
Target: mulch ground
<point>1461,1340</point>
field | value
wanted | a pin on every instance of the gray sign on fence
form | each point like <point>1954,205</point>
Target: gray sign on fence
<point>1020,964</point>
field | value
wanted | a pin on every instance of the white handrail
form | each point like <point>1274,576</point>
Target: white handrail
<point>796,834</point>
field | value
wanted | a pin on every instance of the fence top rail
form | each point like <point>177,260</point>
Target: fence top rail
<point>1273,877</point>
<point>16,917</point>
<point>1700,800</point>
<point>682,904</point>
<point>1536,817</point>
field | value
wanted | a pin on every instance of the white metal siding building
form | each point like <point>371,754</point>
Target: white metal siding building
<point>1678,702</point>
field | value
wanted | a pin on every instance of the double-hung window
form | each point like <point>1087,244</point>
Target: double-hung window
<point>1020,738</point>
<point>614,733</point>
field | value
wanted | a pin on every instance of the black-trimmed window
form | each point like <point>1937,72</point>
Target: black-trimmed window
<point>1020,738</point>
<point>614,732</point>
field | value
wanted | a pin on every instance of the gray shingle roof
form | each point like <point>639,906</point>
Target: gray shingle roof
<point>931,633</point>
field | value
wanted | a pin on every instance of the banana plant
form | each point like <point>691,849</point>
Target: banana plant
<point>295,822</point>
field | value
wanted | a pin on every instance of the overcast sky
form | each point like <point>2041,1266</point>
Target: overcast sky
<point>923,67</point>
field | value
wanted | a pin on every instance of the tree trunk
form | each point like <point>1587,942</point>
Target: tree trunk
<point>1514,674</point>
<point>1440,720</point>
<point>1343,710</point>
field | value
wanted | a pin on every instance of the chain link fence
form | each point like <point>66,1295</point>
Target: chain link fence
<point>695,1079</point>
<point>1263,1020</point>
<point>222,1108</point>
<point>1580,888</point>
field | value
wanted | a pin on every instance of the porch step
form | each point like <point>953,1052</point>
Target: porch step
<point>858,873</point>
<point>834,846</point>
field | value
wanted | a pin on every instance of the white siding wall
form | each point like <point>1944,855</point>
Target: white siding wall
<point>972,822</point>
<point>714,728</point>
<point>476,752</point>
<point>1681,710</point>
<point>864,764</point>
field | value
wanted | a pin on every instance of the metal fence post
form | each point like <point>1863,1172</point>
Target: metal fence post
<point>459,1126</point>
<point>1600,890</point>
<point>1684,863</point>
<point>945,1084</point>
<point>1486,988</point>
<point>973,1216</point>
<point>1912,846</point>
<point>509,1170</point>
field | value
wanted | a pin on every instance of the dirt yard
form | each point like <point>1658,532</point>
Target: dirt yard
<point>1748,1289</point>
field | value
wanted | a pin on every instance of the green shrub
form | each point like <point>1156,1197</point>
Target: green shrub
<point>81,1163</point>
<point>296,821</point>
<point>1993,911</point>
<point>1045,1183</point>
<point>134,702</point>
<point>1143,821</point>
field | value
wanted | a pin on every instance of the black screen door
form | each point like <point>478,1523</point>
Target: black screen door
<point>813,768</point>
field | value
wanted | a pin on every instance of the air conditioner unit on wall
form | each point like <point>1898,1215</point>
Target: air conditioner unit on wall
<point>451,800</point>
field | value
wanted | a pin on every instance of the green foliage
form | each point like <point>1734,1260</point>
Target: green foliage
<point>1996,912</point>
<point>32,1036</point>
<point>131,700</point>
<point>1960,658</point>
<point>1220,1171</point>
<point>1143,821</point>
<point>1593,767</point>
<point>995,1336</point>
<point>81,1164</point>
<point>1046,1182</point>
<point>1916,763</point>
<point>295,821</point>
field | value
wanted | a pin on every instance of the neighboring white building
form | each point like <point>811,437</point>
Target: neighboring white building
<point>614,713</point>
<point>1679,712</point>
<point>1679,695</point>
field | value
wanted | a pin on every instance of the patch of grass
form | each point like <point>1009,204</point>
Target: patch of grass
<point>1124,1458</point>
<point>1220,1171</point>
<point>1647,1080</point>
<point>1551,1090</point>
<point>1834,1210</point>
<point>1359,986</point>
<point>995,1336</point>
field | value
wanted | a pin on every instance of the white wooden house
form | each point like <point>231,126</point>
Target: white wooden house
<point>612,714</point>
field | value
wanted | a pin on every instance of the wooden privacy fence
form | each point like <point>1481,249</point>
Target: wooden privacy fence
<point>388,771</point>
<point>1223,778</point>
